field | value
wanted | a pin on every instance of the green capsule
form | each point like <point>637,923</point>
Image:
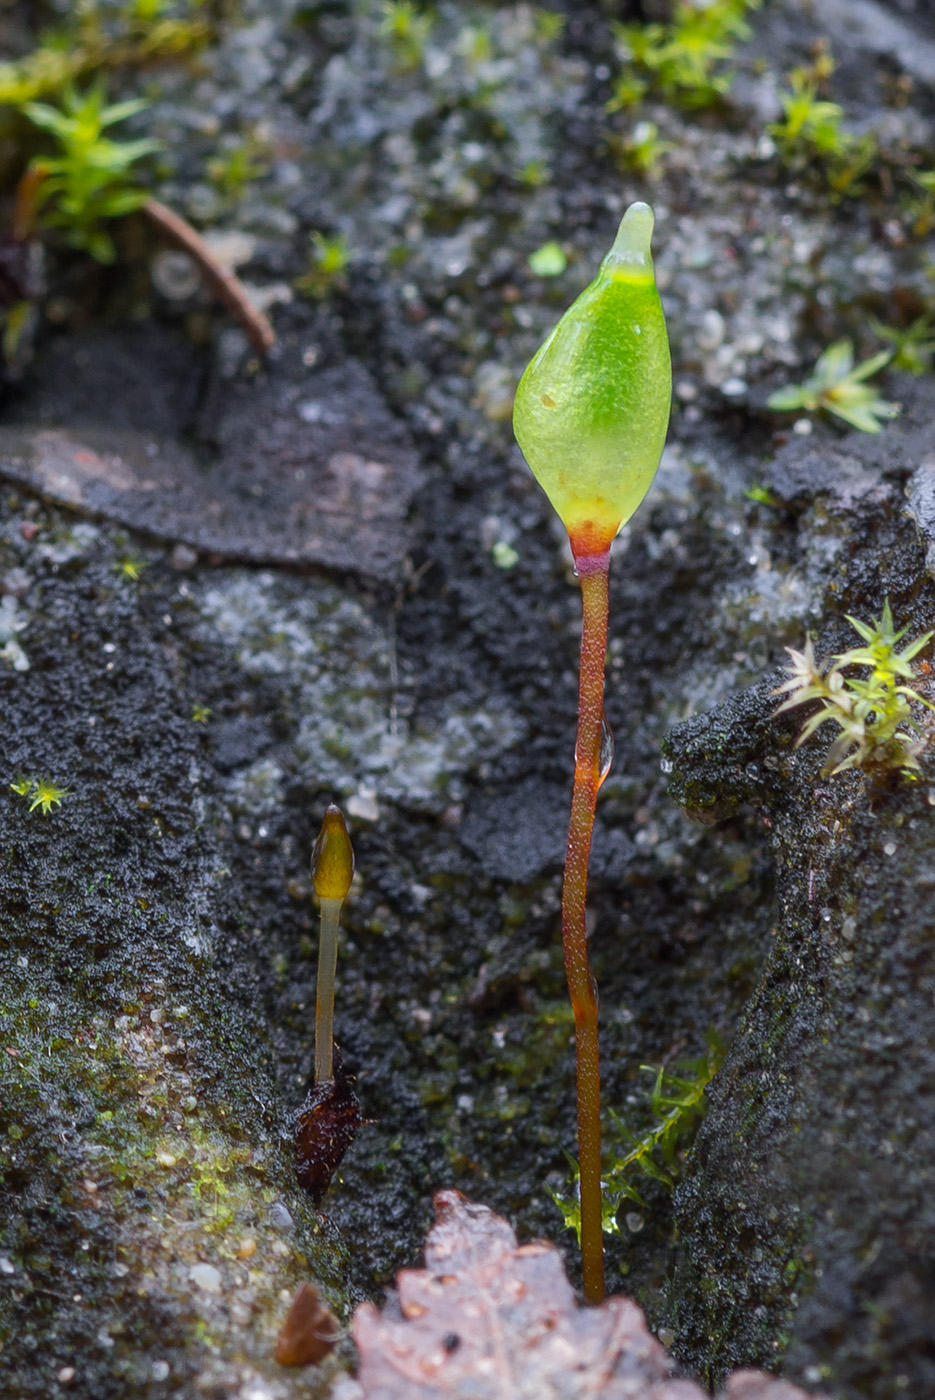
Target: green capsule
<point>592,408</point>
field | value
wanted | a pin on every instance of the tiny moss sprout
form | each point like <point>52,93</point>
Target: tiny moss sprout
<point>590,416</point>
<point>90,181</point>
<point>913,345</point>
<point>548,261</point>
<point>921,207</point>
<point>332,872</point>
<point>238,165</point>
<point>130,566</point>
<point>201,714</point>
<point>809,122</point>
<point>642,149</point>
<point>46,796</point>
<point>406,29</point>
<point>549,25</point>
<point>40,793</point>
<point>876,727</point>
<point>533,175</point>
<point>837,385</point>
<point>331,257</point>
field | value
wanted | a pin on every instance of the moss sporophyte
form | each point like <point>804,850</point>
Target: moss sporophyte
<point>328,1121</point>
<point>591,415</point>
<point>332,872</point>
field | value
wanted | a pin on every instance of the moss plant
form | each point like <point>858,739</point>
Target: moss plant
<point>811,132</point>
<point>90,180</point>
<point>876,727</point>
<point>683,61</point>
<point>676,1104</point>
<point>39,792</point>
<point>839,387</point>
<point>331,258</point>
<point>328,1121</point>
<point>332,872</point>
<point>92,41</point>
<point>591,415</point>
<point>913,345</point>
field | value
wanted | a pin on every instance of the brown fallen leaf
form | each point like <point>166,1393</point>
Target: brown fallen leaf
<point>487,1319</point>
<point>756,1385</point>
<point>309,1331</point>
<point>326,1125</point>
<point>298,471</point>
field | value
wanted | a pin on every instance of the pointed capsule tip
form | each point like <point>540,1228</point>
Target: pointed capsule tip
<point>631,247</point>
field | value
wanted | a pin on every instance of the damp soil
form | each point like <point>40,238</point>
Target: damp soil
<point>200,693</point>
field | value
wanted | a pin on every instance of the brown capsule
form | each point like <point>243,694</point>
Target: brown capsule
<point>309,1331</point>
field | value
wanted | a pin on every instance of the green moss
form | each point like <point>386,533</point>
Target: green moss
<point>100,36</point>
<point>684,61</point>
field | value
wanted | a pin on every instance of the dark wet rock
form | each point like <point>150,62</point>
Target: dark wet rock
<point>719,757</point>
<point>856,472</point>
<point>517,834</point>
<point>808,1205</point>
<point>142,1128</point>
<point>239,741</point>
<point>920,494</point>
<point>145,379</point>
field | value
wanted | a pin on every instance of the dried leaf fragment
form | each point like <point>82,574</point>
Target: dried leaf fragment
<point>487,1319</point>
<point>309,1331</point>
<point>326,1125</point>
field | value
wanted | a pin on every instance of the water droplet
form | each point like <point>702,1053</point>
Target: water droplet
<point>667,765</point>
<point>607,750</point>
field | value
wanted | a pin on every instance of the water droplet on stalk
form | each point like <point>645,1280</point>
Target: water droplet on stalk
<point>607,750</point>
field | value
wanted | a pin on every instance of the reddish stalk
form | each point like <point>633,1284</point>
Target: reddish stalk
<point>26,201</point>
<point>593,566</point>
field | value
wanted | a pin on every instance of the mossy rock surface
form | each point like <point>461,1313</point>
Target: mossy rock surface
<point>805,1215</point>
<point>158,932</point>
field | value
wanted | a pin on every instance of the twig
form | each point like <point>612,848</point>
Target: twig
<point>229,288</point>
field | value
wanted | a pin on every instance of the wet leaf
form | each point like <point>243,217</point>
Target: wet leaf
<point>487,1319</point>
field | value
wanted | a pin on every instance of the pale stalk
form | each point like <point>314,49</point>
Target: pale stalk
<point>324,999</point>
